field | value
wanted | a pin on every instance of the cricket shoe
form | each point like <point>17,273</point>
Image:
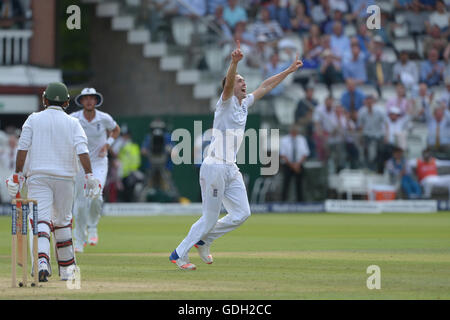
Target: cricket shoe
<point>181,263</point>
<point>92,238</point>
<point>43,270</point>
<point>203,251</point>
<point>79,248</point>
<point>69,272</point>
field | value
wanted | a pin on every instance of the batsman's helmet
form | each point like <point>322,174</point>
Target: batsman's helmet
<point>56,92</point>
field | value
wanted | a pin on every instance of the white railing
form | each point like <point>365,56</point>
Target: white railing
<point>14,46</point>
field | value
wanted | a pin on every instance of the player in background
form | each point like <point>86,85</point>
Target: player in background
<point>50,141</point>
<point>220,179</point>
<point>101,131</point>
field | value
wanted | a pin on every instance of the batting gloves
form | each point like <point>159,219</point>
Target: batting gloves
<point>92,186</point>
<point>14,187</point>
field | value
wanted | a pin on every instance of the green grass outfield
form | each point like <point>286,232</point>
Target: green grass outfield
<point>271,256</point>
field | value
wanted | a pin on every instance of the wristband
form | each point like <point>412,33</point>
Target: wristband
<point>110,141</point>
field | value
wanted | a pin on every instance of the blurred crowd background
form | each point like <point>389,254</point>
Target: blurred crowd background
<point>366,103</point>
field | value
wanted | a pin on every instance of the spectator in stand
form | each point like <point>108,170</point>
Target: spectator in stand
<point>234,13</point>
<point>303,116</point>
<point>354,66</point>
<point>12,14</point>
<point>400,173</point>
<point>396,130</point>
<point>312,59</point>
<point>192,8</point>
<point>352,99</point>
<point>340,43</point>
<point>219,22</point>
<point>386,29</point>
<point>267,27</point>
<point>320,12</point>
<point>330,68</point>
<point>440,18</point>
<point>435,39</point>
<point>432,70</point>
<point>365,40</point>
<point>438,123</point>
<point>427,173</point>
<point>130,158</point>
<point>157,14</point>
<point>279,11</point>
<point>245,37</point>
<point>415,19</point>
<point>396,134</point>
<point>301,22</point>
<point>260,54</point>
<point>293,153</point>
<point>214,4</point>
<point>272,68</point>
<point>400,101</point>
<point>421,103</point>
<point>113,183</point>
<point>338,15</point>
<point>379,71</point>
<point>252,7</point>
<point>406,71</point>
<point>337,141</point>
<point>324,119</point>
<point>312,41</point>
<point>371,123</point>
<point>378,48</point>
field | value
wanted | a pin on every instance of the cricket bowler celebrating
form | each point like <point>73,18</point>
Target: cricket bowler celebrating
<point>220,179</point>
<point>50,141</point>
<point>101,131</point>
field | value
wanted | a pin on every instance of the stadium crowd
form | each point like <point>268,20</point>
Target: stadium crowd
<point>386,90</point>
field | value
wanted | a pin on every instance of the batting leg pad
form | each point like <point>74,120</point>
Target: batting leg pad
<point>64,247</point>
<point>44,230</point>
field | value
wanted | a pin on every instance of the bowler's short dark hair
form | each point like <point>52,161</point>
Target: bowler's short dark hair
<point>224,80</point>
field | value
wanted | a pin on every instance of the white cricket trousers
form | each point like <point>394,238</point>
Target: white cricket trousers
<point>430,182</point>
<point>220,184</point>
<point>87,212</point>
<point>55,199</point>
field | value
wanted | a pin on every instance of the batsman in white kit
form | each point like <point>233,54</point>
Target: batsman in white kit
<point>101,131</point>
<point>220,179</point>
<point>49,145</point>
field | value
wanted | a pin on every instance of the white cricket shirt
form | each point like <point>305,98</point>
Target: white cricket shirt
<point>53,140</point>
<point>230,118</point>
<point>96,131</point>
<point>294,148</point>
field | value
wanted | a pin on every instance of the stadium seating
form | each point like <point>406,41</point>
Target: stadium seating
<point>338,89</point>
<point>405,44</point>
<point>284,109</point>
<point>182,29</point>
<point>351,182</point>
